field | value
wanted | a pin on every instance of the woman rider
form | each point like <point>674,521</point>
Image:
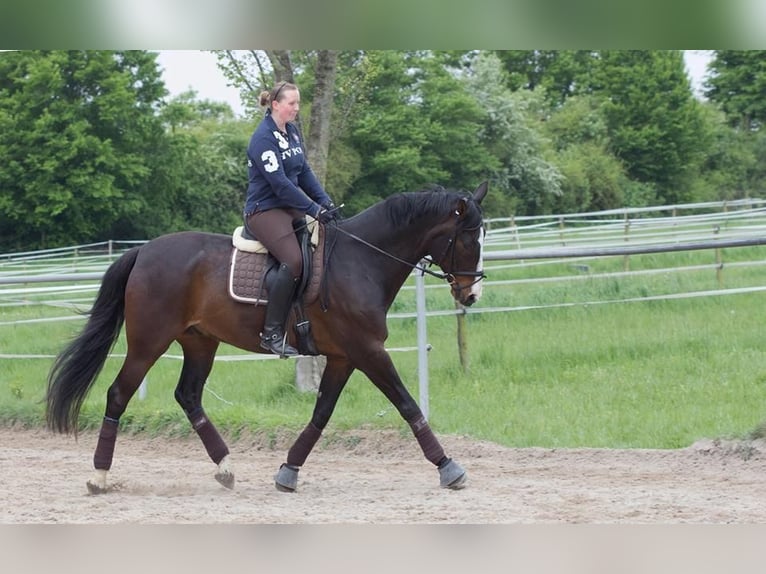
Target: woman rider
<point>282,188</point>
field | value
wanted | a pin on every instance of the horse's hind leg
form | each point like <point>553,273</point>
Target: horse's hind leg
<point>146,342</point>
<point>117,397</point>
<point>199,352</point>
<point>334,379</point>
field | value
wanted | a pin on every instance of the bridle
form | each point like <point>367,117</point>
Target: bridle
<point>450,277</point>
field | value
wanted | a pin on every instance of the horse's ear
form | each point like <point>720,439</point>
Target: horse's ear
<point>480,192</point>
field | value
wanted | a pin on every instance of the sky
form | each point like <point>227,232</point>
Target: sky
<point>198,70</point>
<point>696,65</point>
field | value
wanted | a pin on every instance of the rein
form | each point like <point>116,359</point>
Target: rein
<point>394,257</point>
<point>449,277</point>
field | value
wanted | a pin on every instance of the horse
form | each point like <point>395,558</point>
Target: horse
<point>174,288</point>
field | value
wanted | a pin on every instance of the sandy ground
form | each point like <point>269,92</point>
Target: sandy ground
<point>379,478</point>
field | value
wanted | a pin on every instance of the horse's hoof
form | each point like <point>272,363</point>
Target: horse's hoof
<point>224,475</point>
<point>97,484</point>
<point>94,488</point>
<point>452,475</point>
<point>286,479</point>
<point>225,479</point>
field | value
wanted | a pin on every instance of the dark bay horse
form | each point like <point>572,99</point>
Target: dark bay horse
<point>174,288</point>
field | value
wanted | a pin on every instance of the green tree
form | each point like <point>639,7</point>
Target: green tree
<point>560,73</point>
<point>77,130</point>
<point>526,182</point>
<point>452,119</point>
<point>386,132</point>
<point>593,178</point>
<point>737,82</point>
<point>199,176</point>
<point>735,163</point>
<point>655,124</point>
<point>736,166</point>
<point>414,123</point>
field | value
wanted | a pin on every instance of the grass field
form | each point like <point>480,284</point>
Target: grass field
<point>654,374</point>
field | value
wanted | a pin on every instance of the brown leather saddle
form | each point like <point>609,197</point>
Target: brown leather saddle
<point>250,265</point>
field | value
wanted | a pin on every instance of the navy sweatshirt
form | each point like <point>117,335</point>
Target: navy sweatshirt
<point>279,174</point>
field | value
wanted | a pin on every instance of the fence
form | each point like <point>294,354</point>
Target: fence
<point>540,240</point>
<point>536,240</point>
<point>524,241</point>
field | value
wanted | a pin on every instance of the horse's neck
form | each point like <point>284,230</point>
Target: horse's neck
<point>408,243</point>
<point>399,250</point>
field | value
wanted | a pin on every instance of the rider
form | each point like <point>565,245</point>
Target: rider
<point>282,188</point>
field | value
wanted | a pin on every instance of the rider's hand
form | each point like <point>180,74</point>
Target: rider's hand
<point>326,216</point>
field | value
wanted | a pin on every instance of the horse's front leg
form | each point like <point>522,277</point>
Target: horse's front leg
<point>199,353</point>
<point>380,369</point>
<point>333,381</point>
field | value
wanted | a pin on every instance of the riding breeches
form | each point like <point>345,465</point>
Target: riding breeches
<point>274,229</point>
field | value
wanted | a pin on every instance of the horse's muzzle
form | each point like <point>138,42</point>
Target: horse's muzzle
<point>469,292</point>
<point>470,300</point>
<point>466,295</point>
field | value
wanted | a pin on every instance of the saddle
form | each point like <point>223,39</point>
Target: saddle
<point>251,263</point>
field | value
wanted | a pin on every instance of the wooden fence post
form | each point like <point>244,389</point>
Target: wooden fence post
<point>626,258</point>
<point>462,337</point>
<point>718,260</point>
<point>561,232</point>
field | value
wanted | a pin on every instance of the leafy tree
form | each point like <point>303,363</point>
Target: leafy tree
<point>199,176</point>
<point>655,124</point>
<point>737,82</point>
<point>727,159</point>
<point>77,130</point>
<point>526,182</point>
<point>593,178</point>
<point>453,119</point>
<point>580,119</point>
<point>414,124</point>
<point>386,131</point>
<point>559,73</point>
<point>186,111</point>
<point>736,164</point>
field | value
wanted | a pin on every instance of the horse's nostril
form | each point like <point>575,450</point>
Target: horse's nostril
<point>470,300</point>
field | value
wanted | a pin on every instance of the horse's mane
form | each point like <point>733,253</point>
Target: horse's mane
<point>405,208</point>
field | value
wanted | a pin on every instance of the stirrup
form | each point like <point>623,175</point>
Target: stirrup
<point>277,344</point>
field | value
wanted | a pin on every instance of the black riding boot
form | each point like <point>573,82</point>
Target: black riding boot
<point>281,288</point>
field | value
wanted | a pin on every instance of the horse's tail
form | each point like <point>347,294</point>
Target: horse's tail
<point>76,368</point>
